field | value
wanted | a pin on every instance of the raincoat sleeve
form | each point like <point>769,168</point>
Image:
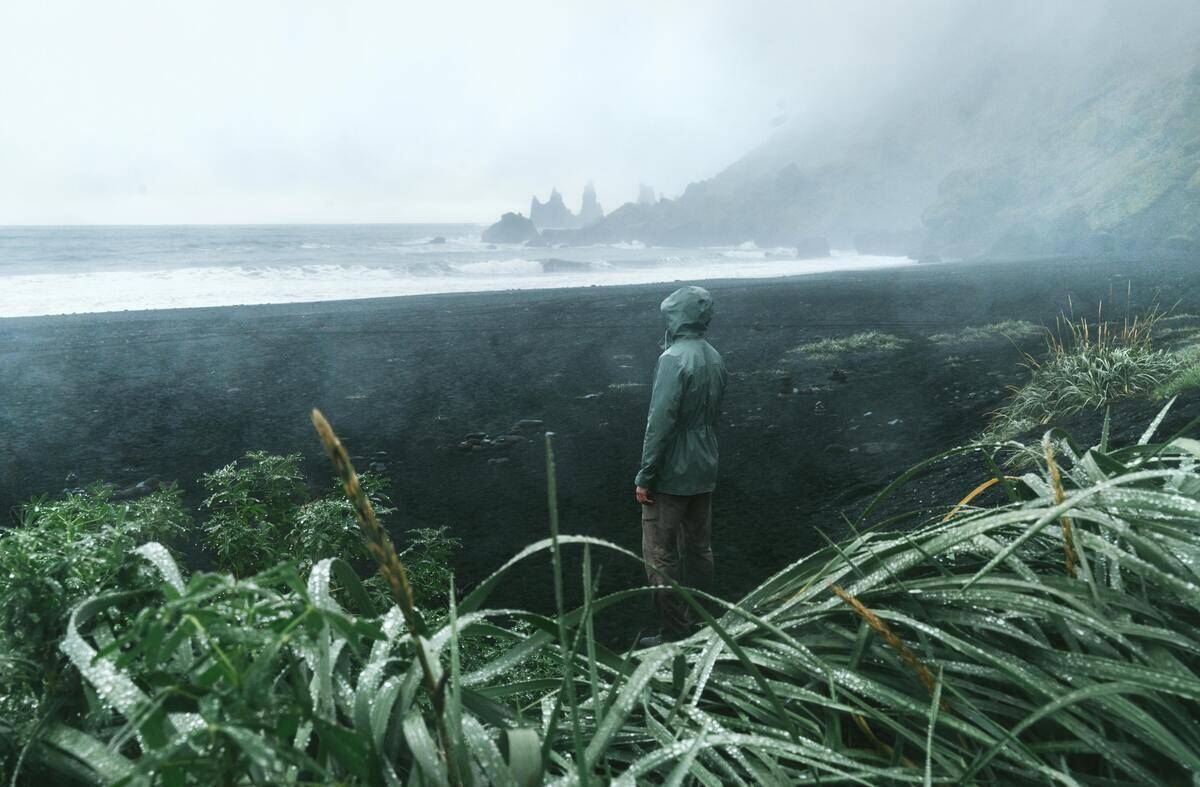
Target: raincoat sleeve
<point>660,423</point>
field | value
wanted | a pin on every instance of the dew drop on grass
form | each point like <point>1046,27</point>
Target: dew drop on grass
<point>158,555</point>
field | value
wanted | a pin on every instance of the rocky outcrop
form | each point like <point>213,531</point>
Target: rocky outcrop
<point>512,228</point>
<point>553,214</point>
<point>589,209</point>
<point>646,195</point>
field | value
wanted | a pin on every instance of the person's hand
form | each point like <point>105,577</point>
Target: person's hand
<point>643,496</point>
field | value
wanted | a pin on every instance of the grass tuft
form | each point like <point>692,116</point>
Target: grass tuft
<point>1009,329</point>
<point>1087,365</point>
<point>866,341</point>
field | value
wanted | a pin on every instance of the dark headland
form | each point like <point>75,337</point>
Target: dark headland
<point>408,381</point>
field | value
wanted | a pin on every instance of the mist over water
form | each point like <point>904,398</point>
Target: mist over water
<point>69,270</point>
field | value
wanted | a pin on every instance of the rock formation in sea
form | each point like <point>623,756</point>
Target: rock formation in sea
<point>553,214</point>
<point>512,228</point>
<point>589,209</point>
<point>646,195</point>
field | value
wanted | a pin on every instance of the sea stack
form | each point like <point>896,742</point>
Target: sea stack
<point>512,228</point>
<point>552,214</point>
<point>589,209</point>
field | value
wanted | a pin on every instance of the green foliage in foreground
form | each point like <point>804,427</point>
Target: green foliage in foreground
<point>968,649</point>
<point>62,552</point>
<point>866,341</point>
<point>261,515</point>
<point>65,550</point>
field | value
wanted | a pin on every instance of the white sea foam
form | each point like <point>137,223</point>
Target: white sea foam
<point>119,290</point>
<point>517,267</point>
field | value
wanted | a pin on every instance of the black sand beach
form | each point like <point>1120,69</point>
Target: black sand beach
<point>122,397</point>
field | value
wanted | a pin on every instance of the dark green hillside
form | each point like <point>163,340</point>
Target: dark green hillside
<point>1019,156</point>
<point>1119,174</point>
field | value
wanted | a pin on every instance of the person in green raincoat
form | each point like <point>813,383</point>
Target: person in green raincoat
<point>678,473</point>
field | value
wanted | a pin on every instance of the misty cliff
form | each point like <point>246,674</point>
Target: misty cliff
<point>1015,159</point>
<point>1117,173</point>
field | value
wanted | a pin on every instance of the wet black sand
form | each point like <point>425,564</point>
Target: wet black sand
<point>121,397</point>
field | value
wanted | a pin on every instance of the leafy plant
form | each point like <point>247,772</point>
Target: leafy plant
<point>326,527</point>
<point>254,505</point>
<point>428,557</point>
<point>60,553</point>
<point>1052,636</point>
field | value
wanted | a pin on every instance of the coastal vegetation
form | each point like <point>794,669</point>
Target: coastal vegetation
<point>1025,626</point>
<point>863,341</point>
<point>1009,329</point>
<point>1047,636</point>
<point>1089,364</point>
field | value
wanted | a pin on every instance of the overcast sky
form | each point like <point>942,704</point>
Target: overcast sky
<point>158,111</point>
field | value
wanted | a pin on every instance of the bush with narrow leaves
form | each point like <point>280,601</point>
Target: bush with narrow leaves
<point>62,552</point>
<point>1050,637</point>
<point>253,505</point>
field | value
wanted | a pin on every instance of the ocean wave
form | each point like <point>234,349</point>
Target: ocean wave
<point>498,267</point>
<point>186,287</point>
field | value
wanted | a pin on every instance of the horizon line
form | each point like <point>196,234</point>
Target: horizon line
<point>253,224</point>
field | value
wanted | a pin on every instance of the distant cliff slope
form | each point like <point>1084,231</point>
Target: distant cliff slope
<point>1119,173</point>
<point>1021,162</point>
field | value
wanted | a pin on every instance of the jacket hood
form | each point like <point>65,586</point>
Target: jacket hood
<point>688,311</point>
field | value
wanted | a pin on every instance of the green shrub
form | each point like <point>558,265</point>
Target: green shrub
<point>427,556</point>
<point>254,503</point>
<point>60,553</point>
<point>326,527</point>
<point>1049,637</point>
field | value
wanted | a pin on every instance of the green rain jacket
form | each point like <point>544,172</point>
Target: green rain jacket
<point>679,454</point>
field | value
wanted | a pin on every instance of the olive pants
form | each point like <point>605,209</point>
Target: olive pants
<point>677,543</point>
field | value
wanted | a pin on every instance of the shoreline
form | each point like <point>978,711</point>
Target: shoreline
<point>283,277</point>
<point>122,396</point>
<point>304,306</point>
